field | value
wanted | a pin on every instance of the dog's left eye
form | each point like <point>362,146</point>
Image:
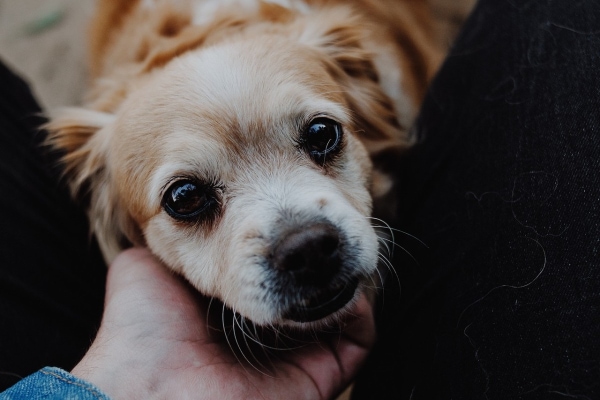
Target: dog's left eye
<point>185,200</point>
<point>322,138</point>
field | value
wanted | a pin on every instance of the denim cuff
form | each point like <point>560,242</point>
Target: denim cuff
<point>53,384</point>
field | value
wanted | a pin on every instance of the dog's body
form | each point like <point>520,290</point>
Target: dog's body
<point>235,139</point>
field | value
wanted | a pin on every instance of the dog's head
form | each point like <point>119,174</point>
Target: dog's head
<point>243,167</point>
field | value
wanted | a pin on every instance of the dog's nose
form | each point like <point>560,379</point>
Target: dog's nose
<point>312,253</point>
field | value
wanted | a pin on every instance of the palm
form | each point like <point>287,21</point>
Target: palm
<point>155,333</point>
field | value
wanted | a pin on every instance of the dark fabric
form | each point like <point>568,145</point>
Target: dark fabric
<point>504,188</point>
<point>51,274</point>
<point>503,302</point>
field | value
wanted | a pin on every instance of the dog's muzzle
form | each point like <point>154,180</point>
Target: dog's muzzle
<point>311,259</point>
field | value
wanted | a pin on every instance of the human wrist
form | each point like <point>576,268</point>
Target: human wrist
<point>114,371</point>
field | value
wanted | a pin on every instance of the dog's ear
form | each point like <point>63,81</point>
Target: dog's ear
<point>339,36</point>
<point>82,138</point>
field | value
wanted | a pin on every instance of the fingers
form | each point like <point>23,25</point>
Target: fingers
<point>360,328</point>
<point>357,339</point>
<point>332,366</point>
<point>143,296</point>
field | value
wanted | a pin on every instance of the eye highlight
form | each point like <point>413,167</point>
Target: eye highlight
<point>322,138</point>
<point>187,200</point>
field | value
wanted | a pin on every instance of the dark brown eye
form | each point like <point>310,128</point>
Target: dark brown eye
<point>322,138</point>
<point>186,199</point>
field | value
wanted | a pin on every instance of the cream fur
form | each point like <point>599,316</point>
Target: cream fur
<point>218,93</point>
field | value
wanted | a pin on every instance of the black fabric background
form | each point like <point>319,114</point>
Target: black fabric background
<point>51,273</point>
<point>504,303</point>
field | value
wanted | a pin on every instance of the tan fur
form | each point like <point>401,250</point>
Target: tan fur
<point>159,102</point>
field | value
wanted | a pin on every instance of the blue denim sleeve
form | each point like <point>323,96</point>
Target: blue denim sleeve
<point>53,384</point>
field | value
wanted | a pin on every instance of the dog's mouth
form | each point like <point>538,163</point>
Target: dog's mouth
<point>324,303</point>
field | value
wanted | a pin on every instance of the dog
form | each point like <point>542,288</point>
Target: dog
<point>239,139</point>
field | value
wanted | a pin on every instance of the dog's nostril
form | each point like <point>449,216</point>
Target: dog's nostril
<point>312,252</point>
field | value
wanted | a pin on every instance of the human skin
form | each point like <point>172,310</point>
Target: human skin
<point>154,343</point>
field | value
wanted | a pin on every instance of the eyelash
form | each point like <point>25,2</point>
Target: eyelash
<point>204,215</point>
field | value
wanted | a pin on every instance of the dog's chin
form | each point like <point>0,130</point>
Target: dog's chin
<point>325,309</point>
<point>322,304</point>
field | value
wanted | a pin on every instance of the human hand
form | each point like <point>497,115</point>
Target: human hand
<point>154,343</point>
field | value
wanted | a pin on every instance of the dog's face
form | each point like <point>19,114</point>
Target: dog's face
<point>240,168</point>
<point>239,150</point>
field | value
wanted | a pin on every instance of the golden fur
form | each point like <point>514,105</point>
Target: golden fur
<point>218,93</point>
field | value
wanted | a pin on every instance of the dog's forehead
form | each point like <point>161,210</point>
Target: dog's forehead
<point>244,95</point>
<point>244,87</point>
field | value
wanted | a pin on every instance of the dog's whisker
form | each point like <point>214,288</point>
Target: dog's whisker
<point>237,343</point>
<point>379,284</point>
<point>248,347</point>
<point>406,234</point>
<point>408,253</point>
<point>378,287</point>
<point>257,341</point>
<point>255,329</point>
<point>386,226</point>
<point>383,237</point>
<point>281,337</point>
<point>225,333</point>
<point>387,263</point>
<point>210,302</point>
<point>385,242</point>
<point>234,324</point>
<point>376,284</point>
<point>249,326</point>
<point>239,348</point>
<point>251,334</point>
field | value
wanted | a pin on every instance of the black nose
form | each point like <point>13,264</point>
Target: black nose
<point>312,253</point>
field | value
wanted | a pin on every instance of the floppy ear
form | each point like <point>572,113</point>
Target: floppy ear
<point>339,35</point>
<point>82,137</point>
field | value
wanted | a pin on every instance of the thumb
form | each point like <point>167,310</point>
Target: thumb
<point>140,289</point>
<point>132,266</point>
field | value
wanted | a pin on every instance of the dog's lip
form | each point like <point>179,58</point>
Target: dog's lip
<point>324,304</point>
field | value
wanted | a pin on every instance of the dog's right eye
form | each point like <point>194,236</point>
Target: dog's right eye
<point>322,139</point>
<point>186,200</point>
